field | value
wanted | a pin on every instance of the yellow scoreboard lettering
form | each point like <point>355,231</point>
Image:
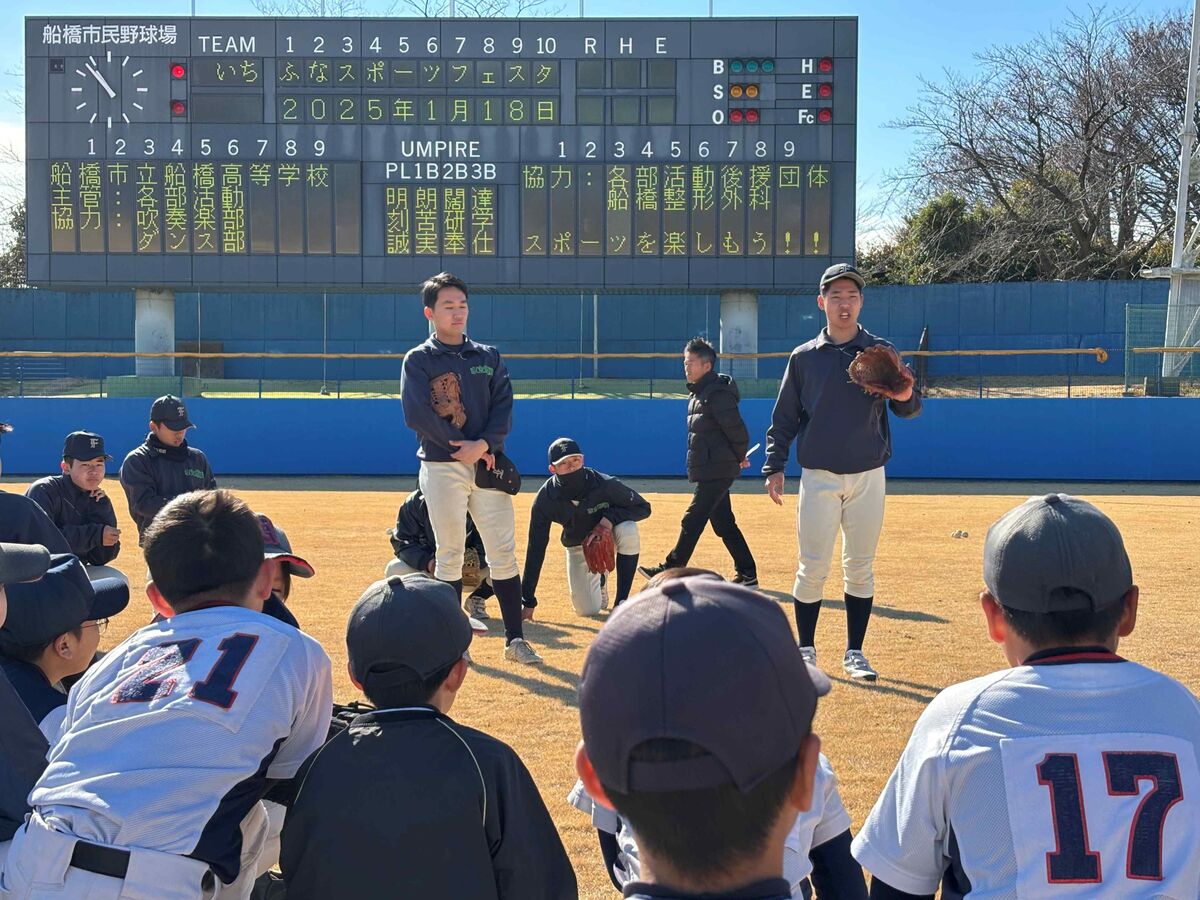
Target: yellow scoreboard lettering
<point>398,227</point>
<point>233,209</point>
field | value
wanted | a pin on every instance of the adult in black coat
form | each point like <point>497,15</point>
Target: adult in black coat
<point>716,454</point>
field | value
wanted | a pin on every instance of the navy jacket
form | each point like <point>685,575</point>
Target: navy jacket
<point>154,474</point>
<point>487,396</point>
<point>23,750</point>
<point>412,538</point>
<point>39,696</point>
<point>24,522</point>
<point>835,424</point>
<point>80,518</point>
<point>603,497</point>
<point>717,436</point>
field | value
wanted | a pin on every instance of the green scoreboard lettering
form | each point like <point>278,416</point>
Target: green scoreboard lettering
<point>365,154</point>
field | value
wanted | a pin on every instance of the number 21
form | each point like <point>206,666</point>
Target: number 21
<point>1073,861</point>
<point>152,677</point>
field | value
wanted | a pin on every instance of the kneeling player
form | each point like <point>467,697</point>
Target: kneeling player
<point>582,500</point>
<point>169,742</point>
<point>1071,774</point>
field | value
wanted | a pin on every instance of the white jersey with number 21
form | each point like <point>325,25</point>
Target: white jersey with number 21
<point>1073,777</point>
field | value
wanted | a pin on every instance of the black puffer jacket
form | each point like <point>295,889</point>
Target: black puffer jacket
<point>717,436</point>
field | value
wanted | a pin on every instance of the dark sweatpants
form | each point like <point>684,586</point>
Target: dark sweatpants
<point>710,503</point>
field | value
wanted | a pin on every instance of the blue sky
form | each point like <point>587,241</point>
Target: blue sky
<point>898,43</point>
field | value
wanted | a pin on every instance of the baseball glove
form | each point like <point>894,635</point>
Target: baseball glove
<point>878,370</point>
<point>600,551</point>
<point>472,567</point>
<point>345,713</point>
<point>445,393</point>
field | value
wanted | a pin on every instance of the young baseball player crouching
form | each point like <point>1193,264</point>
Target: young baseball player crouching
<point>153,787</point>
<point>406,802</point>
<point>1070,774</point>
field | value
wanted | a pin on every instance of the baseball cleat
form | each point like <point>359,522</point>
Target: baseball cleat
<point>651,571</point>
<point>809,654</point>
<point>750,581</point>
<point>857,667</point>
<point>477,626</point>
<point>519,650</point>
<point>475,607</point>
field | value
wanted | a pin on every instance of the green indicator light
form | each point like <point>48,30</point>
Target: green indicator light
<point>736,66</point>
<point>768,65</point>
<point>752,65</point>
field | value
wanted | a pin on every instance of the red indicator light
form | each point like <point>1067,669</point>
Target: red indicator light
<point>735,115</point>
<point>178,108</point>
<point>178,70</point>
<point>752,116</point>
<point>825,90</point>
<point>825,65</point>
<point>825,115</point>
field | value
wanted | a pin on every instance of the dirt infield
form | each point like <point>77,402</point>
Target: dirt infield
<point>927,631</point>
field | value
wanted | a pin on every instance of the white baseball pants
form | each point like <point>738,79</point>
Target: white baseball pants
<point>587,594</point>
<point>450,493</point>
<point>853,503</point>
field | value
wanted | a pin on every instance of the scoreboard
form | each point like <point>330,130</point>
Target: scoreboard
<point>366,154</point>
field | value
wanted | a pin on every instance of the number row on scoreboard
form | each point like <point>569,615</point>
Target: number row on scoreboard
<point>417,110</point>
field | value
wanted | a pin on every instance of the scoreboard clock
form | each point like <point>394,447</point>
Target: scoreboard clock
<point>688,155</point>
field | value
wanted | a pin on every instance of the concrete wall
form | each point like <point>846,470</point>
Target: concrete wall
<point>1137,439</point>
<point>961,316</point>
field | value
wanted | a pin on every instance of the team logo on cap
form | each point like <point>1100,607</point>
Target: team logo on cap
<point>180,411</point>
<point>93,442</point>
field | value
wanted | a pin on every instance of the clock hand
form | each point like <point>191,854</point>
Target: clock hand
<point>100,78</point>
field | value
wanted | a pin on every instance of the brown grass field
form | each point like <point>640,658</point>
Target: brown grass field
<point>927,631</point>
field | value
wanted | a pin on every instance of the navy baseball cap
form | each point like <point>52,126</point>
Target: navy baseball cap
<point>708,662</point>
<point>561,449</point>
<point>85,446</point>
<point>1055,553</point>
<point>39,611</point>
<point>22,562</point>
<point>170,411</point>
<point>843,270</point>
<point>277,546</point>
<point>404,629</point>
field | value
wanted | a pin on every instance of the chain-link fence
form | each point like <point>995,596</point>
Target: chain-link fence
<point>1145,330</point>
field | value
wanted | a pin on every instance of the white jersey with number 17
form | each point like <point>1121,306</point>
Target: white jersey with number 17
<point>1075,776</point>
<point>169,740</point>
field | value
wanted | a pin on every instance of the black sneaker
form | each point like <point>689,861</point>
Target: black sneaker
<point>750,580</point>
<point>651,571</point>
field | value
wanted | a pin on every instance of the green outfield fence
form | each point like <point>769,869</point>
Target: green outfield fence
<point>1074,372</point>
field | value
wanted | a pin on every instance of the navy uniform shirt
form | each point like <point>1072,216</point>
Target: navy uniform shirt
<point>154,474</point>
<point>24,522</point>
<point>23,751</point>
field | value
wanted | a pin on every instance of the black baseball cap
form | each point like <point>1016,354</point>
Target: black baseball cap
<point>700,660</point>
<point>1055,553</point>
<point>22,562</point>
<point>170,411</point>
<point>64,598</point>
<point>404,629</point>
<point>561,448</point>
<point>84,445</point>
<point>277,546</point>
<point>843,270</point>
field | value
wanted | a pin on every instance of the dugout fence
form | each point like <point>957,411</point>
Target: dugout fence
<point>974,373</point>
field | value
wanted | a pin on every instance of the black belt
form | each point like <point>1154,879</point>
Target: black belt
<point>101,860</point>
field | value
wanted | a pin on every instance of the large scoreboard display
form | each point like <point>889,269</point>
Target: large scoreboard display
<point>366,154</point>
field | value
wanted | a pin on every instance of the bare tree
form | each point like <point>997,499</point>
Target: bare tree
<point>429,9</point>
<point>1064,150</point>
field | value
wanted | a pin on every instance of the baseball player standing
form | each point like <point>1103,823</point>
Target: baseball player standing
<point>164,466</point>
<point>581,499</point>
<point>842,442</point>
<point>450,449</point>
<point>78,505</point>
<point>1071,774</point>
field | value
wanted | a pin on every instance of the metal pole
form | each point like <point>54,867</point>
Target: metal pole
<point>452,9</point>
<point>595,335</point>
<point>1187,141</point>
<point>325,344</point>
